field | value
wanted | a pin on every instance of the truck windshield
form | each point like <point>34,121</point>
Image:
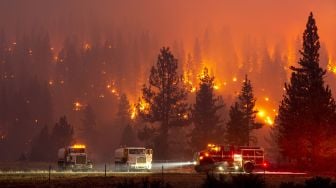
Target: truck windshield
<point>136,151</point>
<point>77,150</point>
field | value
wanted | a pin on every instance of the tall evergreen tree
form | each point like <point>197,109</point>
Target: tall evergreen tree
<point>128,136</point>
<point>307,110</point>
<point>236,133</point>
<point>242,116</point>
<point>61,135</point>
<point>205,114</point>
<point>123,113</point>
<point>89,126</point>
<point>40,150</point>
<point>166,98</point>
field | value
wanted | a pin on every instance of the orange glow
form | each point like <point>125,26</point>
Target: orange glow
<point>87,46</point>
<point>234,79</point>
<point>143,106</point>
<point>78,106</point>
<point>261,113</point>
<point>216,87</point>
<point>331,65</point>
<point>133,113</point>
<point>269,121</point>
<point>193,90</point>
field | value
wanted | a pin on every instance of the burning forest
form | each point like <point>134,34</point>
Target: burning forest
<point>171,76</point>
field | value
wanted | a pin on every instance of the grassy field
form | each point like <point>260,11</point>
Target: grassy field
<point>128,179</point>
<point>30,175</point>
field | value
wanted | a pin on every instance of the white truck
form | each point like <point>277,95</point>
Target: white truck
<point>74,158</point>
<point>133,158</point>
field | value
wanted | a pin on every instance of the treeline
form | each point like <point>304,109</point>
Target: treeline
<point>303,133</point>
<point>40,83</point>
<point>88,84</point>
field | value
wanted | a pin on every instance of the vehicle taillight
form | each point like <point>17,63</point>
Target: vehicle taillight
<point>265,165</point>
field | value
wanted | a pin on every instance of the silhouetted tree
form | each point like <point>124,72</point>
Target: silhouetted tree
<point>205,114</point>
<point>123,113</point>
<point>61,135</point>
<point>89,126</point>
<point>307,110</point>
<point>128,136</point>
<point>242,116</point>
<point>40,150</point>
<point>236,127</point>
<point>165,96</point>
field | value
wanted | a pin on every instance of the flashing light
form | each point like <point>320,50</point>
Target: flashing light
<point>265,165</point>
<point>206,154</point>
<point>201,157</point>
<point>79,146</point>
<point>211,145</point>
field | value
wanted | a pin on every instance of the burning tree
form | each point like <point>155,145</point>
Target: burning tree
<point>165,97</point>
<point>205,116</point>
<point>307,110</point>
<point>242,116</point>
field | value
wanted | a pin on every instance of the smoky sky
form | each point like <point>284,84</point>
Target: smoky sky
<point>173,19</point>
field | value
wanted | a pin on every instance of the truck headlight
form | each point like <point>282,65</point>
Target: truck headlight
<point>237,157</point>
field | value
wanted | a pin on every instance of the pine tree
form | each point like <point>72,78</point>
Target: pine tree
<point>128,136</point>
<point>307,110</point>
<point>61,135</point>
<point>124,108</point>
<point>40,150</point>
<point>165,96</point>
<point>236,127</point>
<point>205,114</point>
<point>242,116</point>
<point>89,126</point>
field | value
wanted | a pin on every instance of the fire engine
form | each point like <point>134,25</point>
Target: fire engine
<point>133,158</point>
<point>74,158</point>
<point>229,158</point>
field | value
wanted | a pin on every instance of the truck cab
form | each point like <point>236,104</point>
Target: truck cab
<point>74,158</point>
<point>133,158</point>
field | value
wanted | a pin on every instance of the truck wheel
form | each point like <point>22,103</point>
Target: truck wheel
<point>248,167</point>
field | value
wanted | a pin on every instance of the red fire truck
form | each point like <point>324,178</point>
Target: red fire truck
<point>229,158</point>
